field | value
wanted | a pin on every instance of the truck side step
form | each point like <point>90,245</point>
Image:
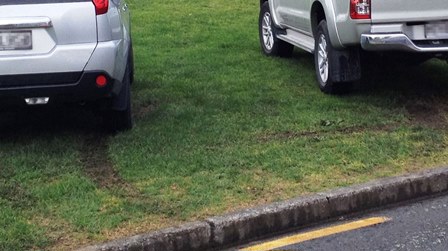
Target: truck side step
<point>298,39</point>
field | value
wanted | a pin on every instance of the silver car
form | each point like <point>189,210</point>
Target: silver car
<point>68,51</point>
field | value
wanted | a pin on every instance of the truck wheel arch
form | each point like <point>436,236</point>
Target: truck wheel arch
<point>324,10</point>
<point>317,15</point>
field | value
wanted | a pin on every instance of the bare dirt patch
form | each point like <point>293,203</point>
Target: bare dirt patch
<point>15,194</point>
<point>144,110</point>
<point>430,113</point>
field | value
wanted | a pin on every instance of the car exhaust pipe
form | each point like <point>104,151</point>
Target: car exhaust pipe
<point>37,101</point>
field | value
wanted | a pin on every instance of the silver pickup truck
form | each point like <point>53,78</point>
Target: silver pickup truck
<point>337,31</point>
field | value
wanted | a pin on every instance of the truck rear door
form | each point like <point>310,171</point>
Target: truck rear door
<point>294,14</point>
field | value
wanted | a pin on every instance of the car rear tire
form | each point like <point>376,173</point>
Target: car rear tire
<point>323,61</point>
<point>118,120</point>
<point>270,44</point>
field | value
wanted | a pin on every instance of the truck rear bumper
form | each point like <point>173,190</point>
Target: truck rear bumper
<point>400,42</point>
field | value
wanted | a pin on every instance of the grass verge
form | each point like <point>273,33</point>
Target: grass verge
<point>219,127</point>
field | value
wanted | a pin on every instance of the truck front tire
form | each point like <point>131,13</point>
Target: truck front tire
<point>270,44</point>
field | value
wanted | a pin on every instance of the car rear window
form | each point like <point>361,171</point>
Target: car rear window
<point>9,2</point>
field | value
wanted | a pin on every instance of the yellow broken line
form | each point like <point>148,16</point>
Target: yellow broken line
<point>316,234</point>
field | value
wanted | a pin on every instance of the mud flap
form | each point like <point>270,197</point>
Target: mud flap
<point>120,102</point>
<point>346,65</point>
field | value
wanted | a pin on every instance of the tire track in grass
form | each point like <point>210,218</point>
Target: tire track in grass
<point>427,113</point>
<point>99,168</point>
<point>319,133</point>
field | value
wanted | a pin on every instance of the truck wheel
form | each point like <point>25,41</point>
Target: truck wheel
<point>323,54</point>
<point>271,45</point>
<point>120,119</point>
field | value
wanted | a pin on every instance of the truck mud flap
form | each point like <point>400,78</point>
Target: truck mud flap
<point>346,65</point>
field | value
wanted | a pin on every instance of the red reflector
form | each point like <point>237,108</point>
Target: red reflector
<point>101,6</point>
<point>101,81</point>
<point>360,9</point>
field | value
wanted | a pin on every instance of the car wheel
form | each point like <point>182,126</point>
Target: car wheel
<point>323,54</point>
<point>117,120</point>
<point>271,45</point>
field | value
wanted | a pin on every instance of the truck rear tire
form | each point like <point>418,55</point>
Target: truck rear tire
<point>324,63</point>
<point>270,44</point>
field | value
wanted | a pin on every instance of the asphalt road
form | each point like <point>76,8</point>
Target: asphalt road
<point>421,225</point>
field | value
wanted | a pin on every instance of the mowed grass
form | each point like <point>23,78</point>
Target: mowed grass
<point>219,127</point>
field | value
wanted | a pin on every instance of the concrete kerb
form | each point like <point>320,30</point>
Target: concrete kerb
<point>191,236</point>
<point>249,224</point>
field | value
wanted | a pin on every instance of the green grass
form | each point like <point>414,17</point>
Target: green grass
<point>219,127</point>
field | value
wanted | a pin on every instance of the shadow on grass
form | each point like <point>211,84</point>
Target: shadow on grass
<point>77,126</point>
<point>29,122</point>
<point>420,91</point>
<point>74,125</point>
<point>429,79</point>
<point>425,80</point>
<point>382,77</point>
<point>304,59</point>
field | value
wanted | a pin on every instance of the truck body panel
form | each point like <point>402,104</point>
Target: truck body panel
<point>387,11</point>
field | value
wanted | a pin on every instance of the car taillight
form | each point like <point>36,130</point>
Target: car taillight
<point>101,81</point>
<point>101,6</point>
<point>360,9</point>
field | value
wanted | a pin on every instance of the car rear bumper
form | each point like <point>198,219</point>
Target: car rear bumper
<point>59,87</point>
<point>401,42</point>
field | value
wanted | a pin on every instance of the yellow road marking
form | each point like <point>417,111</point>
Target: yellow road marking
<point>316,234</point>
